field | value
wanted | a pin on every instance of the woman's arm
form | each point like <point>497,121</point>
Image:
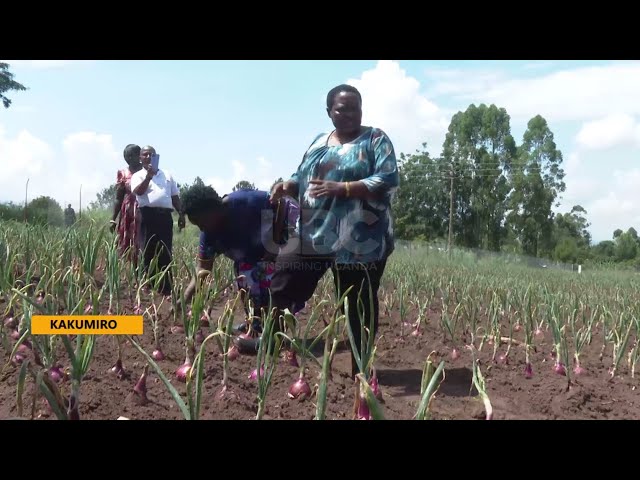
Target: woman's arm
<point>383,179</point>
<point>120,193</point>
<point>202,265</point>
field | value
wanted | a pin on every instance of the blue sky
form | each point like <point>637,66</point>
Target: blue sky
<point>230,120</point>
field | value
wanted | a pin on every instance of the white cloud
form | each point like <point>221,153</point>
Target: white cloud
<point>572,164</point>
<point>393,102</point>
<point>582,93</point>
<point>84,158</point>
<point>458,82</point>
<point>260,174</point>
<point>618,129</point>
<point>609,205</point>
<point>540,65</point>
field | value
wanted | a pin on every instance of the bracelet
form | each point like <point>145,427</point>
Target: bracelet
<point>347,188</point>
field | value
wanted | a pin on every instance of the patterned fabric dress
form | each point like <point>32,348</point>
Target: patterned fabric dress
<point>354,230</point>
<point>129,219</point>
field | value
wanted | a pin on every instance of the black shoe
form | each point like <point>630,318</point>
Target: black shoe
<point>247,345</point>
<point>241,327</point>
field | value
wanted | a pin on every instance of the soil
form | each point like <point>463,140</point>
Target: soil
<point>400,360</point>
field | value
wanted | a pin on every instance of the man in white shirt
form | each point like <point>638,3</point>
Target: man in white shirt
<point>157,195</point>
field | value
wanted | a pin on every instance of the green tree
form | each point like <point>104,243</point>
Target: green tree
<point>183,187</point>
<point>105,199</point>
<point>573,226</point>
<point>626,246</point>
<point>605,251</point>
<point>244,185</point>
<point>479,151</point>
<point>7,84</point>
<point>566,250</point>
<point>421,206</point>
<point>45,211</point>
<point>537,181</point>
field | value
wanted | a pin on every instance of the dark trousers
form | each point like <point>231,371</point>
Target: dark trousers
<point>157,238</point>
<point>296,278</point>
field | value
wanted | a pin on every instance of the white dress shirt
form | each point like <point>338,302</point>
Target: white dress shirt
<point>161,188</point>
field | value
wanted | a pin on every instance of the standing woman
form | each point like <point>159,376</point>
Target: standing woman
<point>344,186</point>
<point>126,216</point>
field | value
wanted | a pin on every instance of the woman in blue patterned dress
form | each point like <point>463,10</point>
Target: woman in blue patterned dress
<point>344,186</point>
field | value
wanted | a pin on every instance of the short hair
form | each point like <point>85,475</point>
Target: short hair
<point>131,149</point>
<point>200,198</point>
<point>331,96</point>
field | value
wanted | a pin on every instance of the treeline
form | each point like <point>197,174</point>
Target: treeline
<point>498,194</point>
<point>40,211</point>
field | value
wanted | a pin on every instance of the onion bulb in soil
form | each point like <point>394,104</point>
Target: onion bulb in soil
<point>539,333</point>
<point>17,359</point>
<point>300,389</point>
<point>254,373</point>
<point>503,359</point>
<point>183,371</point>
<point>137,310</point>
<point>291,358</point>
<point>15,335</point>
<point>199,336</point>
<point>56,374</point>
<point>118,370</point>
<point>375,387</point>
<point>578,370</point>
<point>140,389</point>
<point>233,353</point>
<point>177,329</point>
<point>362,411</point>
<point>157,355</point>
<point>559,369</point>
<point>10,323</point>
<point>528,371</point>
<point>455,354</point>
<point>204,320</point>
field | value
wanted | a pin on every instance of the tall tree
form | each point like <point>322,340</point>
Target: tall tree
<point>572,228</point>
<point>421,206</point>
<point>537,182</point>
<point>7,84</point>
<point>104,199</point>
<point>626,246</point>
<point>479,151</point>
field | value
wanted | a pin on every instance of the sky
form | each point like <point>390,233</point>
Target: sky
<point>227,121</point>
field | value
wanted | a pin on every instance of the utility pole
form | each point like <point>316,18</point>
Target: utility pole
<point>80,212</point>
<point>450,212</point>
<point>26,189</point>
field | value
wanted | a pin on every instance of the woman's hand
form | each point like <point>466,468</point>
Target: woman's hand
<point>282,189</point>
<point>326,188</point>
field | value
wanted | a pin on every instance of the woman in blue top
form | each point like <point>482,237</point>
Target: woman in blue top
<point>344,186</point>
<point>245,227</point>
